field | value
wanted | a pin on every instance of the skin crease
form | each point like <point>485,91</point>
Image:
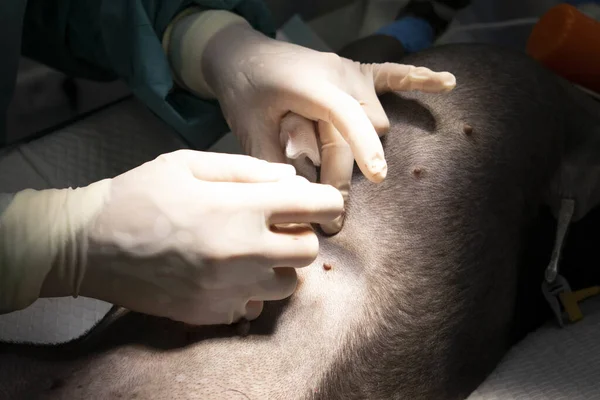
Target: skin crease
<point>295,342</point>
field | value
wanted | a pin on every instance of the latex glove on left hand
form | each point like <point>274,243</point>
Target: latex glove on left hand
<point>258,81</point>
<point>202,238</point>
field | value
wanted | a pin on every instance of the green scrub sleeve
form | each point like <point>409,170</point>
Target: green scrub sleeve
<point>121,39</point>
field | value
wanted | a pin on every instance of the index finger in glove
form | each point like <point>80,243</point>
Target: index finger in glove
<point>390,77</point>
<point>330,104</point>
<point>298,201</point>
<point>336,168</point>
<point>221,167</point>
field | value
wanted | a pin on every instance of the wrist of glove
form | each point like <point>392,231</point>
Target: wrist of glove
<point>185,42</point>
<point>44,247</point>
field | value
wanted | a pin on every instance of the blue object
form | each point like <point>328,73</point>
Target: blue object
<point>415,34</point>
<point>115,39</point>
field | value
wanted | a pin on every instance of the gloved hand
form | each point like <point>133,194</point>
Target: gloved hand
<point>257,81</point>
<point>187,236</point>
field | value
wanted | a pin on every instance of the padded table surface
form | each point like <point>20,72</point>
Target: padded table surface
<point>100,146</point>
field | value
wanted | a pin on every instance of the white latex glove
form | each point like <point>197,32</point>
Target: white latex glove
<point>258,80</point>
<point>187,236</point>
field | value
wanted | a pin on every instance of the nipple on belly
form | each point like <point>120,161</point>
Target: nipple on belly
<point>468,129</point>
<point>327,266</point>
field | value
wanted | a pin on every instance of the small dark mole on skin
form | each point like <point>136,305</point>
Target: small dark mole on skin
<point>417,172</point>
<point>327,267</point>
<point>467,129</point>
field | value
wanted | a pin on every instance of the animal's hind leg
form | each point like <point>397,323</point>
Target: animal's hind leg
<point>578,178</point>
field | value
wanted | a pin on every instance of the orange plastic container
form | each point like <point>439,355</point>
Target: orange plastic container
<point>568,42</point>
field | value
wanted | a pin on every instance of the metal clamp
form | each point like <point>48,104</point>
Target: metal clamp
<point>554,285</point>
<point>552,292</point>
<point>567,208</point>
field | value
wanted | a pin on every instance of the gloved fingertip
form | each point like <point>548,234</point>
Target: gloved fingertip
<point>448,80</point>
<point>334,227</point>
<point>383,129</point>
<point>378,169</point>
<point>253,309</point>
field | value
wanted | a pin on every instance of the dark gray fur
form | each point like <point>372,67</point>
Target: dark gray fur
<point>448,283</point>
<point>450,223</point>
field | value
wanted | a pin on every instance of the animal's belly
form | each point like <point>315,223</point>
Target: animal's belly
<point>284,354</point>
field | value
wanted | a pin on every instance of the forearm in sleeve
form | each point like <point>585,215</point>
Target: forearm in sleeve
<point>109,39</point>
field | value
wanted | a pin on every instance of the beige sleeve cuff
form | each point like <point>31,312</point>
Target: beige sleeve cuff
<point>38,232</point>
<point>185,40</point>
